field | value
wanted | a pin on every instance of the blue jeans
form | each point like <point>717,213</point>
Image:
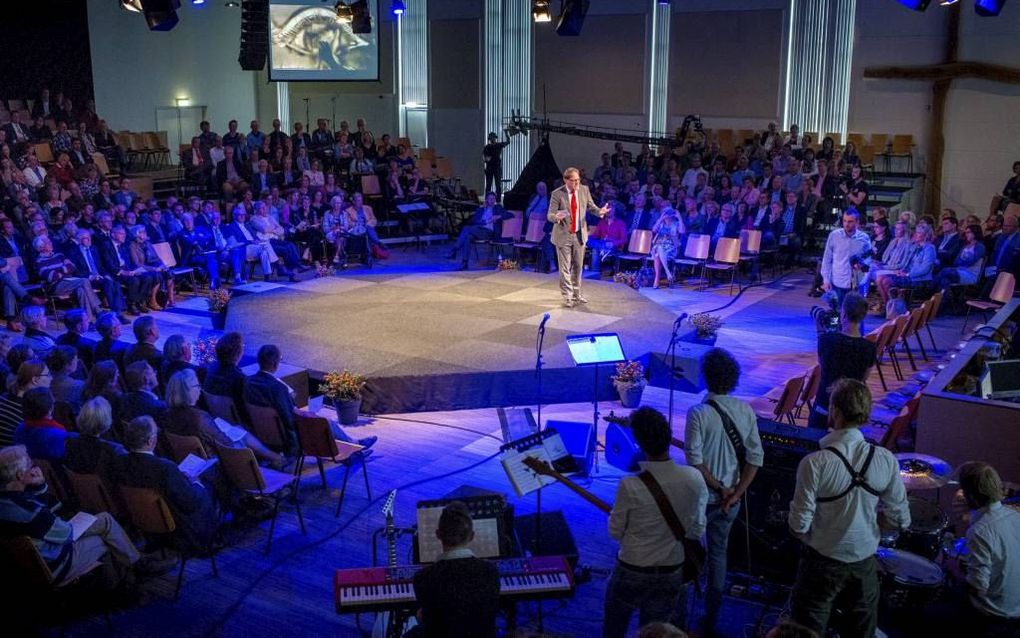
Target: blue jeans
<point>717,535</point>
<point>656,598</point>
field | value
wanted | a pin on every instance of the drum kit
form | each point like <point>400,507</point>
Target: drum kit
<point>910,561</point>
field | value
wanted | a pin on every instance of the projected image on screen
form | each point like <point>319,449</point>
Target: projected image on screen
<point>309,44</point>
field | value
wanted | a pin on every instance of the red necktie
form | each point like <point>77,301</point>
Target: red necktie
<point>573,212</point>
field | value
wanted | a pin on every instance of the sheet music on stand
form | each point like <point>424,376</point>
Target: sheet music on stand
<point>485,544</point>
<point>596,349</point>
<point>545,446</point>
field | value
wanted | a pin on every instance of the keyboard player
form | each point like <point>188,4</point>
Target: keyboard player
<point>459,593</point>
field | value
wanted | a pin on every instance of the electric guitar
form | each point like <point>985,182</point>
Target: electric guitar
<point>694,551</point>
<point>389,623</point>
<point>621,450</point>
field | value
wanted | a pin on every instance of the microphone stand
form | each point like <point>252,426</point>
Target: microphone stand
<point>538,505</point>
<point>671,354</point>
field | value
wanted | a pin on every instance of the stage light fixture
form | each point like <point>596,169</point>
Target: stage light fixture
<point>572,17</point>
<point>134,6</point>
<point>946,3</point>
<point>988,8</point>
<point>397,7</point>
<point>232,4</point>
<point>197,1</point>
<point>344,13</point>
<point>915,5</point>
<point>160,15</point>
<point>540,11</point>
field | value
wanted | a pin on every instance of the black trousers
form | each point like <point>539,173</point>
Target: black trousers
<point>494,180</point>
<point>824,584</point>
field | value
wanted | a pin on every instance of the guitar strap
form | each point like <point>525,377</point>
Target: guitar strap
<point>731,433</point>
<point>664,505</point>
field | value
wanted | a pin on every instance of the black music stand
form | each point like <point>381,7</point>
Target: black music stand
<point>593,350</point>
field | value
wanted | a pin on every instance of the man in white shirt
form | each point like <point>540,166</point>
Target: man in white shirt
<point>35,175</point>
<point>712,427</point>
<point>648,576</point>
<point>993,554</point>
<point>838,273</point>
<point>834,512</point>
<point>690,180</point>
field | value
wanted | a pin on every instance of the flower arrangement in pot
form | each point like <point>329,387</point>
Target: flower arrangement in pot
<point>627,279</point>
<point>217,302</point>
<point>706,326</point>
<point>344,389</point>
<point>630,382</point>
<point>203,351</point>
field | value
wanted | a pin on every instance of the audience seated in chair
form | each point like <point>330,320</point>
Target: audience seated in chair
<point>140,398</point>
<point>146,335</point>
<point>63,364</point>
<point>264,389</point>
<point>190,502</point>
<point>224,377</point>
<point>91,452</point>
<point>31,374</point>
<point>26,510</point>
<point>42,436</point>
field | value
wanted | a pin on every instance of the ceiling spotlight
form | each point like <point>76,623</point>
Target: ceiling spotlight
<point>988,8</point>
<point>197,1</point>
<point>343,12</point>
<point>134,6</point>
<point>540,11</point>
<point>915,5</point>
<point>946,3</point>
<point>232,4</point>
<point>397,7</point>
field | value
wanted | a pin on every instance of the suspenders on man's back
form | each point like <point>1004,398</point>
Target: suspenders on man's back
<point>857,479</point>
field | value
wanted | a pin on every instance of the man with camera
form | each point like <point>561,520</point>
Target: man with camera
<point>842,352</point>
<point>846,249</point>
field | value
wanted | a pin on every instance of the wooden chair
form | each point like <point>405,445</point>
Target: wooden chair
<point>427,153</point>
<point>444,167</point>
<point>509,234</point>
<point>150,514</point>
<point>880,142</point>
<point>181,446</point>
<point>166,255</point>
<point>157,147</point>
<point>222,407</point>
<point>638,248</point>
<point>243,471</point>
<point>812,380</point>
<point>899,326</point>
<point>93,494</point>
<point>880,337</point>
<point>54,479</point>
<point>726,258</point>
<point>1002,291</point>
<point>43,152</point>
<point>783,409</point>
<point>267,427</point>
<point>903,146</point>
<point>750,249</point>
<point>696,254</point>
<point>533,236</point>
<point>856,138</point>
<point>932,305</point>
<point>913,322</point>
<point>27,573</point>
<point>317,441</point>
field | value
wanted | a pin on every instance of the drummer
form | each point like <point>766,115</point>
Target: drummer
<point>834,512</point>
<point>993,553</point>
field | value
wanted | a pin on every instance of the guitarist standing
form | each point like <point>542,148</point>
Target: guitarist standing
<point>721,440</point>
<point>653,514</point>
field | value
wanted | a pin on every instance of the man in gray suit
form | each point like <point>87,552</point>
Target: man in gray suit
<point>567,207</point>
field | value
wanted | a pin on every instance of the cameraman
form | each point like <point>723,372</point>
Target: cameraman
<point>843,247</point>
<point>842,355</point>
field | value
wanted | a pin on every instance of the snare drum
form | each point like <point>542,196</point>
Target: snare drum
<point>928,522</point>
<point>907,580</point>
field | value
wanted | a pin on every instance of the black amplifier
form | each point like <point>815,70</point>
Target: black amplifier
<point>787,444</point>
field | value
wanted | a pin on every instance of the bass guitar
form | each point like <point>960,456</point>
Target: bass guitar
<point>694,551</point>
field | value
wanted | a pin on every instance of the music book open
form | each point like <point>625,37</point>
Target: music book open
<point>232,432</point>
<point>193,466</point>
<point>545,446</point>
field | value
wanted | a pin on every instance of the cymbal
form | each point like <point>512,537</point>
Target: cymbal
<point>923,472</point>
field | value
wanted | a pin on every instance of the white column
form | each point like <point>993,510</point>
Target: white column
<point>509,76</point>
<point>658,69</point>
<point>283,105</point>
<point>818,61</point>
<point>413,65</point>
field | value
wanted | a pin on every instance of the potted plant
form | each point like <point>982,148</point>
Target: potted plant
<point>706,328</point>
<point>630,382</point>
<point>343,389</point>
<point>217,301</point>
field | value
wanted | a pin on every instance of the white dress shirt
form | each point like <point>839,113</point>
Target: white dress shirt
<point>636,520</point>
<point>706,442</point>
<point>34,177</point>
<point>846,529</point>
<point>993,560</point>
<point>839,247</point>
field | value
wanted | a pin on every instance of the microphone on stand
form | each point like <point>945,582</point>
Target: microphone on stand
<point>680,320</point>
<point>545,318</point>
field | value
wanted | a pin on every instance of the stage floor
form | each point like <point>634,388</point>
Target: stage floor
<point>438,341</point>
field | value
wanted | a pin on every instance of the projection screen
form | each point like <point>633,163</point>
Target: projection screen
<point>307,43</point>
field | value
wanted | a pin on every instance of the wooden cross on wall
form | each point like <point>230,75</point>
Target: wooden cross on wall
<point>942,76</point>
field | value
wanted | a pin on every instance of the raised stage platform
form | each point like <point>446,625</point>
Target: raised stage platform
<point>448,341</point>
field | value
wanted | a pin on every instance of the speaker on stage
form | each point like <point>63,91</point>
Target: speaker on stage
<point>774,551</point>
<point>254,34</point>
<point>554,538</point>
<point>579,439</point>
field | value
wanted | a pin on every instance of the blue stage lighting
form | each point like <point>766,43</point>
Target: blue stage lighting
<point>988,8</point>
<point>397,7</point>
<point>915,5</point>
